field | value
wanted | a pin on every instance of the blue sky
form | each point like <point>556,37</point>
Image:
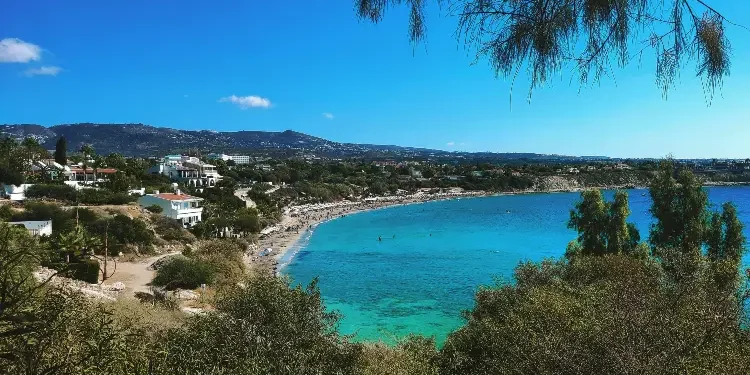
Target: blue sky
<point>275,65</point>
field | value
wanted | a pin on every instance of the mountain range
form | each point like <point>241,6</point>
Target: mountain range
<point>145,140</point>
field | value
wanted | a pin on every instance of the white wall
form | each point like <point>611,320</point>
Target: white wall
<point>172,209</point>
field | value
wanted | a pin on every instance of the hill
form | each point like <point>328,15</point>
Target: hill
<point>146,140</point>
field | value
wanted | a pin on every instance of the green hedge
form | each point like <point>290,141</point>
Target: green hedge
<point>183,273</point>
<point>83,196</point>
<point>87,270</point>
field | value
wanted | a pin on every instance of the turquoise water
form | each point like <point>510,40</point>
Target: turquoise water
<point>434,255</point>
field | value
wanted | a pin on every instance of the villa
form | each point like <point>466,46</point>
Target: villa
<point>187,169</point>
<point>183,207</point>
<point>89,175</point>
<point>237,159</point>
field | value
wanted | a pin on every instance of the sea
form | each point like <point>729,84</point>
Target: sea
<point>413,269</point>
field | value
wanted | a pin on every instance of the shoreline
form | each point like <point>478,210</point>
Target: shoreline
<point>300,221</point>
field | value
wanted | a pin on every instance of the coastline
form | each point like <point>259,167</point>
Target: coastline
<point>301,221</point>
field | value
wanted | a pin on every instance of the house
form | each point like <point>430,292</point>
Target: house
<point>183,207</point>
<point>187,169</point>
<point>36,228</point>
<point>50,167</point>
<point>87,176</point>
<point>15,192</point>
<point>237,159</point>
<point>477,173</point>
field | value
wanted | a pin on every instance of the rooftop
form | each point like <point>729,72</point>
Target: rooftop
<point>92,170</point>
<point>176,197</point>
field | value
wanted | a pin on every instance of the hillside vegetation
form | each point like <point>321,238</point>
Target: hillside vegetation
<point>614,304</point>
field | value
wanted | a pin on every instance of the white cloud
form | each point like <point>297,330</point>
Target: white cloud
<point>450,144</point>
<point>328,115</point>
<point>246,102</point>
<point>14,50</point>
<point>43,71</point>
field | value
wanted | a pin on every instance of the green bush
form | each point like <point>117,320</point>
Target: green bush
<point>83,196</point>
<point>59,192</point>
<point>224,256</point>
<point>155,208</point>
<point>182,273</point>
<point>171,229</point>
<point>272,328</point>
<point>85,270</point>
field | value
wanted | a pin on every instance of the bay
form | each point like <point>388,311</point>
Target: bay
<point>433,256</point>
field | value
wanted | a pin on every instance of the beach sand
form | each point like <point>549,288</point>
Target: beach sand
<point>296,220</point>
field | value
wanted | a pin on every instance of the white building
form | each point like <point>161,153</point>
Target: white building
<point>187,169</point>
<point>179,206</point>
<point>36,228</point>
<point>237,159</point>
<point>15,192</point>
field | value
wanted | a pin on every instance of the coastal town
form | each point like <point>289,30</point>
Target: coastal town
<point>270,203</point>
<point>384,187</point>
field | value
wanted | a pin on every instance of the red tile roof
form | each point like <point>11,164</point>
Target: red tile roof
<point>91,170</point>
<point>175,197</point>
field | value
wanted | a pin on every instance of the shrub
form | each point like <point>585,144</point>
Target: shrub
<point>85,270</point>
<point>59,192</point>
<point>171,229</point>
<point>83,196</point>
<point>155,208</point>
<point>272,328</point>
<point>224,256</point>
<point>184,273</point>
<point>600,314</point>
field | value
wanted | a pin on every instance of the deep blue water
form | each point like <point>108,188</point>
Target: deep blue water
<point>434,255</point>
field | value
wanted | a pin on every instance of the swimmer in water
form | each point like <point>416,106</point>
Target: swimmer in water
<point>380,238</point>
<point>394,236</point>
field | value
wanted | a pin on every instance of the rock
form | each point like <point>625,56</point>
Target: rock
<point>116,287</point>
<point>185,294</point>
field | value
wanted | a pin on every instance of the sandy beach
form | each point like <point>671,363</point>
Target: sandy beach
<point>296,220</point>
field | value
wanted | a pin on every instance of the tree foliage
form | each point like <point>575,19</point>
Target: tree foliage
<point>262,327</point>
<point>545,37</point>
<point>61,151</point>
<point>602,226</point>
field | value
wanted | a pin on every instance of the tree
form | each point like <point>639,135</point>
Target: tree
<point>545,37</point>
<point>602,226</point>
<point>119,182</point>
<point>247,221</point>
<point>679,206</point>
<point>600,315</point>
<point>87,150</point>
<point>590,219</point>
<point>61,151</point>
<point>618,236</point>
<point>115,160</point>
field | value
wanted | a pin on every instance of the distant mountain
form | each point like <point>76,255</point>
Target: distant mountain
<point>146,140</point>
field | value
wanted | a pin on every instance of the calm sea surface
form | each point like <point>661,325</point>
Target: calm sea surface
<point>434,255</point>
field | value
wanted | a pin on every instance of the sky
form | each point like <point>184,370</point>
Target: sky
<point>278,65</point>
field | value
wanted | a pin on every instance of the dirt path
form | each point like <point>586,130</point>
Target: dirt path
<point>135,275</point>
